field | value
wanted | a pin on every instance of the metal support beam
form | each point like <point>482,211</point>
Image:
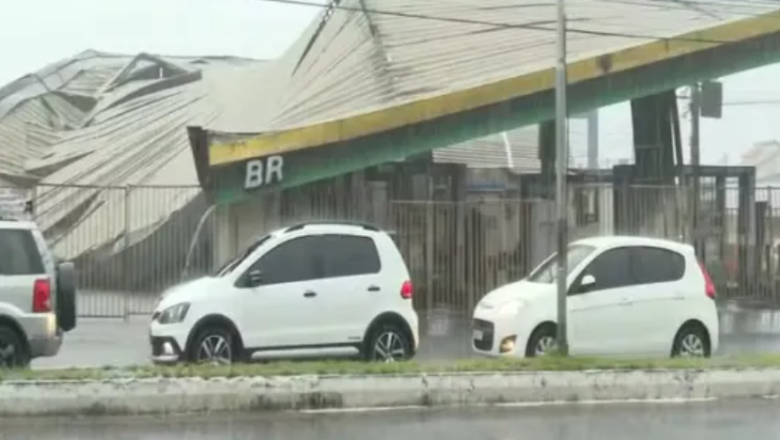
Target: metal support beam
<point>593,140</point>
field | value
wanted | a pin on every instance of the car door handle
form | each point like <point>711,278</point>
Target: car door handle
<point>625,301</point>
<point>309,294</point>
<point>374,289</point>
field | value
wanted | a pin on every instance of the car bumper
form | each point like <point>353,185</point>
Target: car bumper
<point>43,335</point>
<point>45,347</point>
<point>497,336</point>
<point>168,342</point>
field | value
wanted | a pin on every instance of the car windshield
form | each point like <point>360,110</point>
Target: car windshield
<point>546,272</point>
<point>232,264</point>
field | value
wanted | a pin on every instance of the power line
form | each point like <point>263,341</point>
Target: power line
<point>546,25</point>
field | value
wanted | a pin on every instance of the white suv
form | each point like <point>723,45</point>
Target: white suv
<point>317,288</point>
<point>37,295</point>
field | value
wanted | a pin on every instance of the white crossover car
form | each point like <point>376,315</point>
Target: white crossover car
<point>313,289</point>
<point>629,296</point>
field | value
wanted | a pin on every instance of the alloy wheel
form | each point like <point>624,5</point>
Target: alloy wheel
<point>389,347</point>
<point>691,345</point>
<point>215,349</point>
<point>544,345</point>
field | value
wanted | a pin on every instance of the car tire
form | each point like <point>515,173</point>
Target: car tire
<point>691,341</point>
<point>387,344</point>
<point>13,350</point>
<point>214,345</point>
<point>543,337</point>
<point>66,296</point>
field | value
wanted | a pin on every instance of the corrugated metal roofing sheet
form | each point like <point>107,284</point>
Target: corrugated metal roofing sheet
<point>372,54</point>
<point>94,135</point>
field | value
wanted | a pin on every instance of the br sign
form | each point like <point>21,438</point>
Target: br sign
<point>262,172</point>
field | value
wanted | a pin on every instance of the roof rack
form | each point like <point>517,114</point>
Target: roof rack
<point>298,226</point>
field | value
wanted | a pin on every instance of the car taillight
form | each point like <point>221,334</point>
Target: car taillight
<point>41,296</point>
<point>709,287</point>
<point>407,290</point>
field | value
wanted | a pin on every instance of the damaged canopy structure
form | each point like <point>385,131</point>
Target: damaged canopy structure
<point>374,81</point>
<point>99,141</point>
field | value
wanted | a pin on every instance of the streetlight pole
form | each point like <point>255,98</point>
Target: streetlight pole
<point>561,155</point>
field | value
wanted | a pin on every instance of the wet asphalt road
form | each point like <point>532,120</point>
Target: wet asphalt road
<point>755,419</point>
<point>445,336</point>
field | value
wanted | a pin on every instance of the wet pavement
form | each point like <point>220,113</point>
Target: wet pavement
<point>713,421</point>
<point>445,336</point>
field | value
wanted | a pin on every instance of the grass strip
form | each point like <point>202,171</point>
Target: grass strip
<point>293,368</point>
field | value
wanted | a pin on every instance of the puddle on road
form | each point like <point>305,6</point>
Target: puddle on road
<point>764,322</point>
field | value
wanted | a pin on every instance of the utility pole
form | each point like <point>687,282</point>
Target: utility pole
<point>695,111</point>
<point>561,156</point>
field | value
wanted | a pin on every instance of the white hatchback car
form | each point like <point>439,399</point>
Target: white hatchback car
<point>629,296</point>
<point>312,289</point>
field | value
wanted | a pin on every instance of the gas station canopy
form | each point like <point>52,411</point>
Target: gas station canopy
<point>372,81</point>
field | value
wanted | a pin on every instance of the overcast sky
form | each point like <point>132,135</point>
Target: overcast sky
<point>37,32</point>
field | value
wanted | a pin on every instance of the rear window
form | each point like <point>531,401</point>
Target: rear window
<point>18,253</point>
<point>349,255</point>
<point>655,265</point>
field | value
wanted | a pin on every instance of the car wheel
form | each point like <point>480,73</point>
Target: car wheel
<point>13,351</point>
<point>214,345</point>
<point>542,341</point>
<point>691,341</point>
<point>388,344</point>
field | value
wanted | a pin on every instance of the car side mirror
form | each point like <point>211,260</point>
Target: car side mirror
<point>254,278</point>
<point>587,284</point>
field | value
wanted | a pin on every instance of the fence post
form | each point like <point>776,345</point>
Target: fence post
<point>126,255</point>
<point>429,243</point>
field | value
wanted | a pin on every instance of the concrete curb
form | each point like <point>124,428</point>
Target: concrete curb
<point>189,395</point>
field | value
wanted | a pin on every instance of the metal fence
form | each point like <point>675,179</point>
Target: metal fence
<point>130,243</point>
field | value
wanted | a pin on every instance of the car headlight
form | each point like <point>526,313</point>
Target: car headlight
<point>512,307</point>
<point>175,313</point>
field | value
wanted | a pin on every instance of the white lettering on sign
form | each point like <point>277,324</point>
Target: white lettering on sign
<point>264,171</point>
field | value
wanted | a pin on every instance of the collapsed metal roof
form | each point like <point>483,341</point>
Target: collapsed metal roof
<point>91,128</point>
<point>88,129</point>
<point>101,120</point>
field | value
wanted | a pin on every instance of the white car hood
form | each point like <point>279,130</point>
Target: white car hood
<point>188,292</point>
<point>520,290</point>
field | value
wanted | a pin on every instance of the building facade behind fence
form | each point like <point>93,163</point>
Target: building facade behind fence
<point>131,243</point>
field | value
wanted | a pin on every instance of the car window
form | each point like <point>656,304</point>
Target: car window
<point>610,269</point>
<point>235,262</point>
<point>18,253</point>
<point>655,265</point>
<point>349,255</point>
<point>298,259</point>
<point>547,271</point>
